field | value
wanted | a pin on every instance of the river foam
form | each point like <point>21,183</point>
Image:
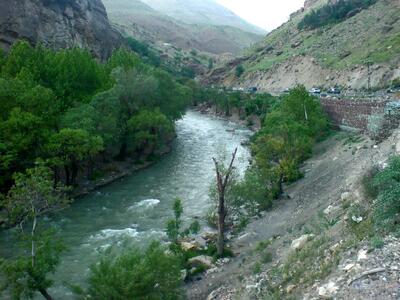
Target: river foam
<point>115,233</point>
<point>148,203</point>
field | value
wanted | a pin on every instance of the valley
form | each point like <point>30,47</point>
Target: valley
<point>170,149</point>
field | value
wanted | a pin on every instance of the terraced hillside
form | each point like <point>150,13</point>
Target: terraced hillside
<point>334,54</point>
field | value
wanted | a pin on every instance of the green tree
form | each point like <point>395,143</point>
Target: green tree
<point>154,274</point>
<point>32,195</point>
<point>21,138</point>
<point>174,225</point>
<point>239,71</point>
<point>69,147</point>
<point>150,130</point>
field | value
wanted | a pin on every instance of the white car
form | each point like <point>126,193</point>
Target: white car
<point>315,91</point>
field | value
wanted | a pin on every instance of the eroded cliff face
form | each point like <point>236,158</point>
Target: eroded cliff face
<point>58,24</point>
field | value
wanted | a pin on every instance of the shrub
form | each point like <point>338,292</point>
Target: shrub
<point>333,13</point>
<point>153,274</point>
<point>387,206</point>
<point>239,71</point>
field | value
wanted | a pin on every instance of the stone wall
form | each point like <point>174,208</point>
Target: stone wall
<point>353,114</point>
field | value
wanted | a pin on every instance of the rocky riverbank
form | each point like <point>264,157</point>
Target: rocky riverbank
<point>313,243</point>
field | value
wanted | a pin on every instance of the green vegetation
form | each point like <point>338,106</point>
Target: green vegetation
<point>333,13</point>
<point>372,34</point>
<point>246,104</point>
<point>386,188</point>
<point>71,111</point>
<point>284,142</point>
<point>148,55</point>
<point>304,267</point>
<point>174,226</point>
<point>32,195</point>
<point>239,70</point>
<point>153,274</point>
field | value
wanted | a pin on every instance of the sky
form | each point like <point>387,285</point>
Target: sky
<point>267,14</point>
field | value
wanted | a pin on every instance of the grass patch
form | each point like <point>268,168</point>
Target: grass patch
<point>306,266</point>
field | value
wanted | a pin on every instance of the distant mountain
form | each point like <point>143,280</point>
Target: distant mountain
<point>202,12</point>
<point>155,25</point>
<point>327,43</point>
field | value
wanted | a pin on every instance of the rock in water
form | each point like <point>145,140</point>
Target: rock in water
<point>58,24</point>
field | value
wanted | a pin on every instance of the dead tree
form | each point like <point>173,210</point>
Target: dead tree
<point>223,177</point>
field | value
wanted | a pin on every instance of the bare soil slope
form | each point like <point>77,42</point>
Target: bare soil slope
<point>332,176</point>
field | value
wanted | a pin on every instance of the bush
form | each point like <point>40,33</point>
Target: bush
<point>154,274</point>
<point>333,13</point>
<point>387,206</point>
<point>239,70</point>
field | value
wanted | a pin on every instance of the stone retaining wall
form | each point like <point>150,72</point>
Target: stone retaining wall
<point>353,114</point>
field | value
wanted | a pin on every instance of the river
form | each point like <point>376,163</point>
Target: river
<point>135,209</point>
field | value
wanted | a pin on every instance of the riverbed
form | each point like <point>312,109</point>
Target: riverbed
<point>134,210</point>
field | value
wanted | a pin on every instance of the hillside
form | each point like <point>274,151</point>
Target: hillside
<point>334,54</point>
<point>202,12</point>
<point>58,24</point>
<point>153,26</point>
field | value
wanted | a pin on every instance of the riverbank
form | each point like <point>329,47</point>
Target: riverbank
<point>134,210</point>
<point>237,116</point>
<point>119,170</point>
<point>111,172</point>
<point>308,238</point>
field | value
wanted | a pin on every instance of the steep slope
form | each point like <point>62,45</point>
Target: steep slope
<point>335,54</point>
<point>145,23</point>
<point>202,12</point>
<point>58,24</point>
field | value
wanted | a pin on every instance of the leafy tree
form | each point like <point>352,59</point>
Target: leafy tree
<point>286,139</point>
<point>123,58</point>
<point>150,130</point>
<point>32,195</point>
<point>154,274</point>
<point>21,138</point>
<point>210,63</point>
<point>71,146</point>
<point>174,225</point>
<point>239,71</point>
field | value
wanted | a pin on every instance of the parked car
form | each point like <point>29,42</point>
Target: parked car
<point>252,89</point>
<point>315,91</point>
<point>324,95</point>
<point>334,90</point>
<point>287,90</point>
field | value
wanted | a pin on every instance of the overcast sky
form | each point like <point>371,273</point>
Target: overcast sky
<point>267,14</point>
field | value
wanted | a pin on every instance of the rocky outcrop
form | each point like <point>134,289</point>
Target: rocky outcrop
<point>58,24</point>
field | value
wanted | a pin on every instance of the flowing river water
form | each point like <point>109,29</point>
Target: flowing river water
<point>134,210</point>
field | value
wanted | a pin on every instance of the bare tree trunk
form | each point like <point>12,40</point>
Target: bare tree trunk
<point>42,291</point>
<point>221,225</point>
<point>67,176</point>
<point>45,294</point>
<point>222,182</point>
<point>33,245</point>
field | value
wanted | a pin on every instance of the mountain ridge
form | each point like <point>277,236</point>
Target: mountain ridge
<point>334,54</point>
<point>202,12</point>
<point>137,19</point>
